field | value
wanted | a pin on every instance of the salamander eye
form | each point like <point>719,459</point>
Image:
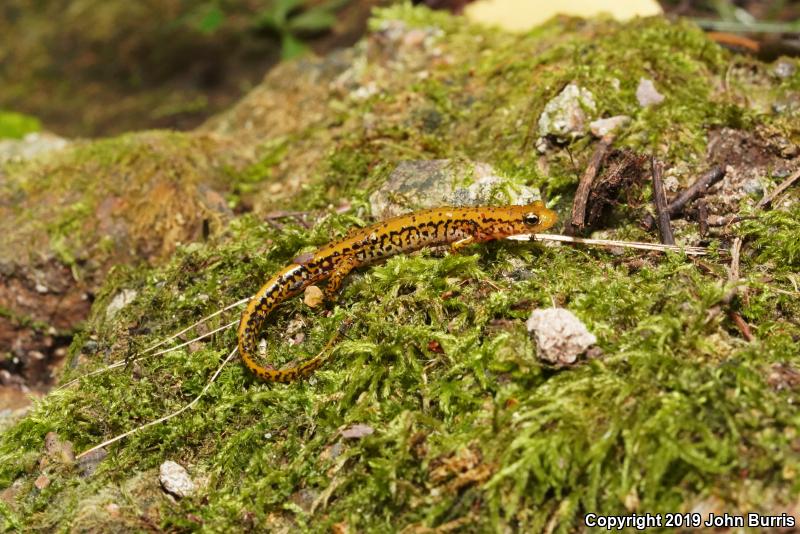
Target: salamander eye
<point>531,219</point>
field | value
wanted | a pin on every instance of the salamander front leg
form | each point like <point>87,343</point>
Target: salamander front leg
<point>344,267</point>
<point>461,243</point>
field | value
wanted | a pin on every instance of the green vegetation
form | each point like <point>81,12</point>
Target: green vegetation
<point>16,125</point>
<point>470,429</point>
<point>291,19</point>
<point>677,405</point>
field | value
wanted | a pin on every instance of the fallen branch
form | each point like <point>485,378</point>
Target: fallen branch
<point>702,217</point>
<point>660,200</point>
<point>767,200</point>
<point>736,252</point>
<point>695,190</point>
<point>578,220</point>
<point>743,327</point>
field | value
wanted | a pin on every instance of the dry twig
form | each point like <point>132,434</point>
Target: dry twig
<point>166,417</point>
<point>691,251</point>
<point>767,200</point>
<point>695,190</point>
<point>578,220</point>
<point>660,200</point>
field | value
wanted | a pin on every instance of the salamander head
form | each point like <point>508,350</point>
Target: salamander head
<point>529,219</point>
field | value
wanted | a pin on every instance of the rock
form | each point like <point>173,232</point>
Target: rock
<point>113,509</point>
<point>602,127</point>
<point>423,184</point>
<point>560,336</point>
<point>784,69</point>
<point>90,347</point>
<point>357,431</point>
<point>783,376</point>
<point>647,94</point>
<point>41,482</point>
<point>175,480</point>
<point>753,187</point>
<point>9,494</point>
<point>14,402</point>
<point>32,145</point>
<point>120,300</point>
<point>57,450</point>
<point>565,116</point>
<point>336,450</point>
<point>313,296</point>
<point>87,465</point>
<point>305,499</point>
<point>543,145</point>
<point>786,105</point>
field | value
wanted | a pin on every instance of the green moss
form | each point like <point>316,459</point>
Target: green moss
<point>271,154</point>
<point>485,102</point>
<point>661,418</point>
<point>95,202</point>
<point>16,125</point>
<point>776,238</point>
<point>469,427</point>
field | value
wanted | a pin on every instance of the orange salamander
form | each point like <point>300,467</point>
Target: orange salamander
<point>456,227</point>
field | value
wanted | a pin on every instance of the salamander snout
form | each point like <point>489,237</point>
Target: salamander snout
<point>536,218</point>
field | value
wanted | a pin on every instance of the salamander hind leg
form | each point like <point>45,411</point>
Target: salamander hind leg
<point>342,269</point>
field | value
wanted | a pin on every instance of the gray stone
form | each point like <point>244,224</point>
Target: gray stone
<point>647,94</point>
<point>602,127</point>
<point>566,116</point>
<point>120,300</point>
<point>784,69</point>
<point>560,336</point>
<point>424,184</point>
<point>30,146</point>
<point>175,480</point>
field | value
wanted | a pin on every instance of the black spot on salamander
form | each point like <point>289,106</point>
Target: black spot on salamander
<point>396,238</point>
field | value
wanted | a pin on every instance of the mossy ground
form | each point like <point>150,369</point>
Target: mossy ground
<point>471,431</point>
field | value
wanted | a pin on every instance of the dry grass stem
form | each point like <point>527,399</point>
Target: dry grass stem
<point>691,251</point>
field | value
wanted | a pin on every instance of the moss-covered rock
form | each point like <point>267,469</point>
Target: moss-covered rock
<point>469,429</point>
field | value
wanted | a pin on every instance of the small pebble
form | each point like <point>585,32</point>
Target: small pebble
<point>647,94</point>
<point>565,116</point>
<point>313,296</point>
<point>357,431</point>
<point>175,480</point>
<point>112,509</point>
<point>41,482</point>
<point>87,465</point>
<point>120,300</point>
<point>60,451</point>
<point>601,127</point>
<point>560,336</point>
<point>784,69</point>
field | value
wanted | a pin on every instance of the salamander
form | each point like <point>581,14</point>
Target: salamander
<point>456,227</point>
